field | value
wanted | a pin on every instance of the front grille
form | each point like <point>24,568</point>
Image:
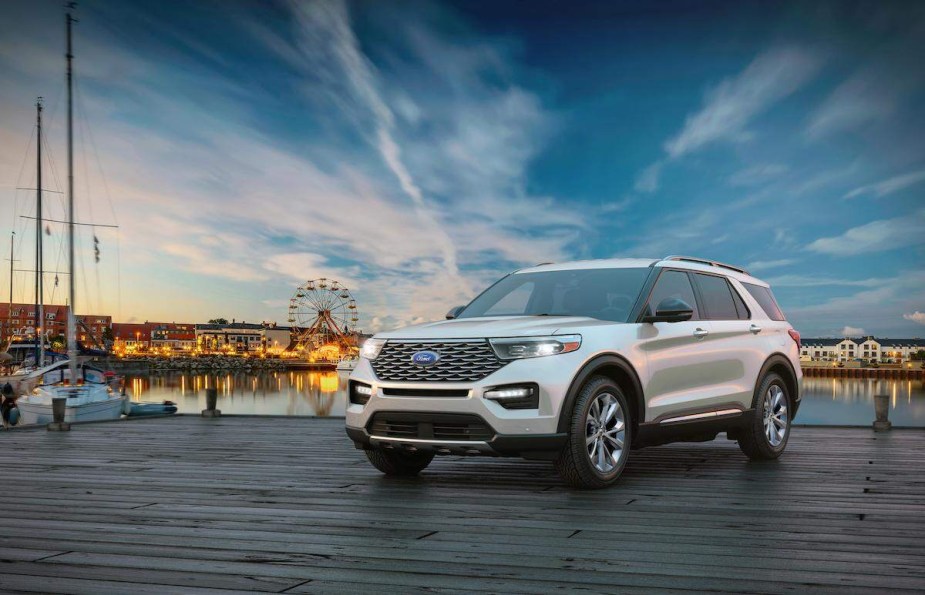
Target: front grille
<point>430,426</point>
<point>459,362</point>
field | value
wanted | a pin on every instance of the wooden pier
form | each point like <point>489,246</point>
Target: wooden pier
<point>287,505</point>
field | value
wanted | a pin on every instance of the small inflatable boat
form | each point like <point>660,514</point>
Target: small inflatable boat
<point>143,409</point>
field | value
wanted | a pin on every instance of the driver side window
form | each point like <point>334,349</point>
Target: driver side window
<point>673,284</point>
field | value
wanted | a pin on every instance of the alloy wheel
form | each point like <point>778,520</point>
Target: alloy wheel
<point>605,432</point>
<point>775,415</point>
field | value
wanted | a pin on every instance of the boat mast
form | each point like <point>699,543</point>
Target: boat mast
<point>9,314</point>
<point>71,326</point>
<point>39,280</point>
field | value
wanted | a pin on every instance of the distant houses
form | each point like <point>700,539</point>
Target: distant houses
<point>228,337</point>
<point>895,351</point>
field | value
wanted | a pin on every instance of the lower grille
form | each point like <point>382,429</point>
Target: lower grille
<point>425,392</point>
<point>430,426</point>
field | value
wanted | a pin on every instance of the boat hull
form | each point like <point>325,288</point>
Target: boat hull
<point>34,413</point>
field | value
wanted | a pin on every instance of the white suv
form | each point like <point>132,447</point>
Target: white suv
<point>577,363</point>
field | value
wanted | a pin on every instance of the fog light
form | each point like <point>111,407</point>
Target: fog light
<point>360,393</point>
<point>509,393</point>
<point>521,396</point>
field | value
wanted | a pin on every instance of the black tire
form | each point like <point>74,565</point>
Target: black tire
<point>574,462</point>
<point>754,440</point>
<point>398,462</point>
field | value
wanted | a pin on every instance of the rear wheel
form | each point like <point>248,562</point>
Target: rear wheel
<point>599,436</point>
<point>399,463</point>
<point>766,437</point>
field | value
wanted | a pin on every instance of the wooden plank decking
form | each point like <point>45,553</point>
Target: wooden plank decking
<point>286,504</point>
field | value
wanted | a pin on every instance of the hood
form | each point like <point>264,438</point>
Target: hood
<point>495,326</point>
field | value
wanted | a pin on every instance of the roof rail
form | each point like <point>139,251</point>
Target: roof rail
<point>708,262</point>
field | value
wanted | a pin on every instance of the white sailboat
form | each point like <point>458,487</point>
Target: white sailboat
<point>88,397</point>
<point>88,394</point>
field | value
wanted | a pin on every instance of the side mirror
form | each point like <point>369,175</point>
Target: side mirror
<point>671,310</point>
<point>454,312</point>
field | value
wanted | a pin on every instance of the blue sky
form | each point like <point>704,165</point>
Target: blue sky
<point>417,150</point>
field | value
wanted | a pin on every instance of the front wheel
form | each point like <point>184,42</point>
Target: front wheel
<point>399,463</point>
<point>599,436</point>
<point>766,437</point>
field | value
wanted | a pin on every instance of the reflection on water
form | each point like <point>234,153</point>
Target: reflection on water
<point>850,401</point>
<point>826,401</point>
<point>267,393</point>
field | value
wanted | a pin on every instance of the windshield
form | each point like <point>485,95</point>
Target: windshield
<point>605,294</point>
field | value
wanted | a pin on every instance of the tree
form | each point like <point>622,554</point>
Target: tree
<point>218,321</point>
<point>918,355</point>
<point>57,342</point>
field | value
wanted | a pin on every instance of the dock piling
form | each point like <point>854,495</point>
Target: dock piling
<point>58,424</point>
<point>211,401</point>
<point>882,411</point>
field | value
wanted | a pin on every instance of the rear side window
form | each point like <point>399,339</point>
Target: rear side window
<point>744,314</point>
<point>766,300</point>
<point>673,284</point>
<point>718,302</point>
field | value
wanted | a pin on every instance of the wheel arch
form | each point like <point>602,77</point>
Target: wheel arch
<point>780,364</point>
<point>618,369</point>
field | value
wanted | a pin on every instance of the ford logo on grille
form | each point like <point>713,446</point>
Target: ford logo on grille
<point>425,358</point>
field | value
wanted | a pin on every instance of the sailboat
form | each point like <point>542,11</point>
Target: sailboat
<point>88,396</point>
<point>28,364</point>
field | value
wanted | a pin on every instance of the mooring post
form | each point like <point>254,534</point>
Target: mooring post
<point>882,411</point>
<point>211,400</point>
<point>58,424</point>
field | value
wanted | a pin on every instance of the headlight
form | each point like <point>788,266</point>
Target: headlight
<point>371,348</point>
<point>523,347</point>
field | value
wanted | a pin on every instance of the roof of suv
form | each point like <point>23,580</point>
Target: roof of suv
<point>678,262</point>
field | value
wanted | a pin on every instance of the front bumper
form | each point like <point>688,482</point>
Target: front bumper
<point>545,446</point>
<point>529,433</point>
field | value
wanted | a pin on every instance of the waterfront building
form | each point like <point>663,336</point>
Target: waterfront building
<point>232,337</point>
<point>132,336</point>
<point>94,329</point>
<point>19,321</point>
<point>277,339</point>
<point>172,336</point>
<point>895,351</point>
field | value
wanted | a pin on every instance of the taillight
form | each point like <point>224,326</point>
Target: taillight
<point>795,335</point>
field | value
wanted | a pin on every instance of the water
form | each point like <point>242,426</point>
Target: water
<point>826,401</point>
<point>267,393</point>
<point>850,401</point>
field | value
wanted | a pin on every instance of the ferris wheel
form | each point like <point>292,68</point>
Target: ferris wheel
<point>322,312</point>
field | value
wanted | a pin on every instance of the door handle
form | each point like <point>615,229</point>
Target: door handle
<point>700,333</point>
<point>754,329</point>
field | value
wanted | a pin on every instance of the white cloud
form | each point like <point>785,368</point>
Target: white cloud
<point>876,236</point>
<point>889,186</point>
<point>857,101</point>
<point>916,316</point>
<point>876,309</point>
<point>817,281</point>
<point>763,265</point>
<point>648,180</point>
<point>329,21</point>
<point>727,109</point>
<point>758,174</point>
<point>229,218</point>
<point>853,331</point>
